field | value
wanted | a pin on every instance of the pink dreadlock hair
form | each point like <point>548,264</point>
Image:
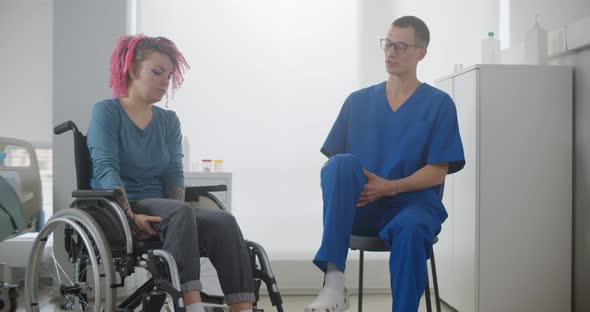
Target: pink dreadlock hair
<point>133,49</point>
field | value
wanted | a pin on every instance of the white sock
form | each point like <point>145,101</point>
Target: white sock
<point>333,293</point>
<point>334,277</point>
<point>195,307</point>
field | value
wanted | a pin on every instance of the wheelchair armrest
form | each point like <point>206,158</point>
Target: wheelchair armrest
<point>96,193</point>
<point>192,193</point>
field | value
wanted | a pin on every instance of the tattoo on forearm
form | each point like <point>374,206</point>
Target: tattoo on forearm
<point>177,193</point>
<point>123,201</point>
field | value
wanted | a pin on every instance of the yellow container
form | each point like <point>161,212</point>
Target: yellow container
<point>218,165</point>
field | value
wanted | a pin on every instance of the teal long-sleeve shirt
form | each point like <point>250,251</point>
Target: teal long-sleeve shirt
<point>147,162</point>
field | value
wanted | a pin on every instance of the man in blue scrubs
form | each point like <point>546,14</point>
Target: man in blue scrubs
<point>389,152</point>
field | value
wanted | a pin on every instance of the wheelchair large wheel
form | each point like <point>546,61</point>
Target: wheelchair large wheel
<point>75,278</point>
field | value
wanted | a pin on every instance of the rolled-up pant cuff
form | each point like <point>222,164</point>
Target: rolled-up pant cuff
<point>240,298</point>
<point>192,285</point>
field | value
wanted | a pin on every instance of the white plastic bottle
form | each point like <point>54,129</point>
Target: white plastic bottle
<point>490,50</point>
<point>535,44</point>
<point>186,150</point>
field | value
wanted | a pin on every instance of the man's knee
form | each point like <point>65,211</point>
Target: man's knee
<point>407,231</point>
<point>414,231</point>
<point>345,163</point>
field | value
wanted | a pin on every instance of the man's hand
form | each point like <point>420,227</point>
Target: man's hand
<point>375,189</point>
<point>142,226</point>
<point>426,177</point>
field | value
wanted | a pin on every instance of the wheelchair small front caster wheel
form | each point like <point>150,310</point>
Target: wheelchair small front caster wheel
<point>8,297</point>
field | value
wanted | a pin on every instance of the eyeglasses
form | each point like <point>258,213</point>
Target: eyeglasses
<point>398,47</point>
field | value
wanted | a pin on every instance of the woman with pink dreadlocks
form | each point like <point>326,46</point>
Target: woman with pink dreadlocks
<point>136,146</point>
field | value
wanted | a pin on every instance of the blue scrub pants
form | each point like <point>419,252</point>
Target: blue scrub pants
<point>409,229</point>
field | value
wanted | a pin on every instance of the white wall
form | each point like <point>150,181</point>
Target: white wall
<point>26,64</point>
<point>268,79</point>
<point>553,15</point>
<point>84,36</point>
<point>374,18</point>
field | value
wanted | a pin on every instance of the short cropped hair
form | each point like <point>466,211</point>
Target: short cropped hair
<point>420,28</point>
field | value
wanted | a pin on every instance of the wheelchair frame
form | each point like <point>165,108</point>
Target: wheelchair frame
<point>97,204</point>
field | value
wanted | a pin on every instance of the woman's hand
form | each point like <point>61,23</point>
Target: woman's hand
<point>375,189</point>
<point>142,226</point>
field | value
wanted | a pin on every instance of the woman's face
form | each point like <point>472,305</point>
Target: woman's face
<point>151,77</point>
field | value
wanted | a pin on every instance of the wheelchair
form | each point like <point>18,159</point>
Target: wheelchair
<point>99,247</point>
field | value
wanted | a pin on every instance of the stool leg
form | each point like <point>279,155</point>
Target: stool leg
<point>427,294</point>
<point>435,281</point>
<point>361,265</point>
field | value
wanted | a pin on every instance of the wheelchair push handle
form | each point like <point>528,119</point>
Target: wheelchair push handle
<point>65,126</point>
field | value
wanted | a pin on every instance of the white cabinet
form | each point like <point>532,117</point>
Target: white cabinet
<point>212,178</point>
<point>506,245</point>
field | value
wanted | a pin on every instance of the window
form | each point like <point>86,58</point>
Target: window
<point>505,24</point>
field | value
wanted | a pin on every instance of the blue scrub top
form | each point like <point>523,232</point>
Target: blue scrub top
<point>395,144</point>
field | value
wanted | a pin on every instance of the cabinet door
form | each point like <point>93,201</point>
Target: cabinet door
<point>465,205</point>
<point>443,250</point>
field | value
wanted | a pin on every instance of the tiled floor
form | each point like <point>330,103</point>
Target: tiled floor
<point>372,303</point>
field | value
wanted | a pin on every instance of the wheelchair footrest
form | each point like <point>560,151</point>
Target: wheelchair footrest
<point>216,309</point>
<point>153,302</point>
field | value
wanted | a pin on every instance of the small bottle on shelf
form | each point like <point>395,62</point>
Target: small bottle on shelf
<point>186,150</point>
<point>490,50</point>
